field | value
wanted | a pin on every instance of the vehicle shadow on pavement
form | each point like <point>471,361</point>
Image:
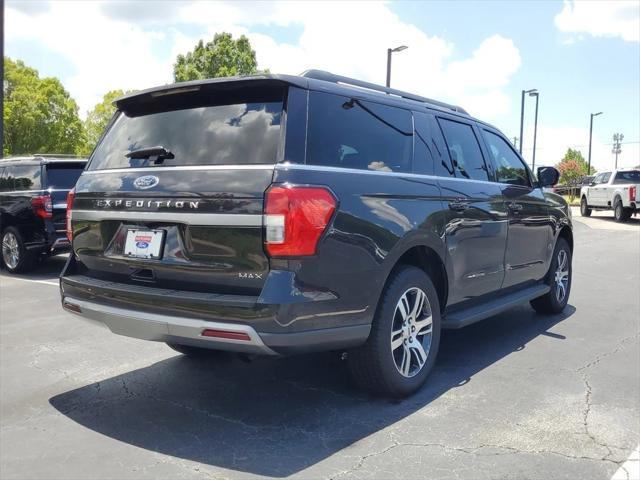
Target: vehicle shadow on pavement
<point>277,416</point>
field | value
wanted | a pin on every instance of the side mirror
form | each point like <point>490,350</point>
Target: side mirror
<point>548,176</point>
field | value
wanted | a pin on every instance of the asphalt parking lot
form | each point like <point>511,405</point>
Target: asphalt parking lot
<point>516,396</point>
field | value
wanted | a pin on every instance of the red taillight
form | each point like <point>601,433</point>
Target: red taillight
<point>295,219</point>
<point>632,193</point>
<point>42,206</point>
<point>70,196</point>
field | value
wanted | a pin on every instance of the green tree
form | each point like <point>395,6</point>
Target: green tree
<point>223,57</point>
<point>98,118</point>
<point>572,168</point>
<point>39,115</point>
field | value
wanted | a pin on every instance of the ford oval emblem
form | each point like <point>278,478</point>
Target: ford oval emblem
<point>142,244</point>
<point>148,181</point>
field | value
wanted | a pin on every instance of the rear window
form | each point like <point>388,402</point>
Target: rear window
<point>351,133</point>
<point>627,177</point>
<point>63,177</point>
<point>227,134</point>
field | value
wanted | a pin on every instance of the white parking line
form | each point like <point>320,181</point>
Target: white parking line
<point>629,470</point>
<point>46,282</point>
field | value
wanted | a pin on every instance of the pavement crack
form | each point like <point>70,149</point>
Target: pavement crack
<point>621,345</point>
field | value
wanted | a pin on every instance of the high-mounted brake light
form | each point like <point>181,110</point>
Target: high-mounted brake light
<point>632,193</point>
<point>70,196</point>
<point>42,206</point>
<point>295,219</point>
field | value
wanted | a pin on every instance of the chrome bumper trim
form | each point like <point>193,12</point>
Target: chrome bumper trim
<point>166,328</point>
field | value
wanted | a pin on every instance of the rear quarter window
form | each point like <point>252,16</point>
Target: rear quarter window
<point>22,177</point>
<point>351,133</point>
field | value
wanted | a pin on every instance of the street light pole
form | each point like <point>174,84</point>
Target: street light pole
<point>617,140</point>
<point>535,129</point>
<point>389,52</point>
<point>590,136</point>
<point>522,115</point>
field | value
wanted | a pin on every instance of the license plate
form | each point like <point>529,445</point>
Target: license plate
<point>144,243</point>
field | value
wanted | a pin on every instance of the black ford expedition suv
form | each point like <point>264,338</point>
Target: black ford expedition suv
<point>282,214</point>
<point>33,205</point>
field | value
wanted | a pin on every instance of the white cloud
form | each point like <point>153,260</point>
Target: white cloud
<point>114,45</point>
<point>611,18</point>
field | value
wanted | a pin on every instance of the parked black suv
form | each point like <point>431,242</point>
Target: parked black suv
<point>279,214</point>
<point>33,205</point>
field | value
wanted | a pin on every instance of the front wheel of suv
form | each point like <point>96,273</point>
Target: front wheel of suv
<point>559,279</point>
<point>15,257</point>
<point>405,334</point>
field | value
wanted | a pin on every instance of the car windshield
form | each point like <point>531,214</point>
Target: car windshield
<point>632,176</point>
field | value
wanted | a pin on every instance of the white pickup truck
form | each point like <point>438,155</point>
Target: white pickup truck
<point>618,190</point>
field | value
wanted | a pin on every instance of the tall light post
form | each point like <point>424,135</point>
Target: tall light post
<point>389,52</point>
<point>522,114</point>
<point>591,135</point>
<point>535,129</point>
<point>617,140</point>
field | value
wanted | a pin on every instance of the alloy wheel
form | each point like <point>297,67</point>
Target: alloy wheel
<point>411,332</point>
<point>562,275</point>
<point>10,250</point>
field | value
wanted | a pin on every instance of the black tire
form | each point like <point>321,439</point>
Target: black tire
<point>585,211</point>
<point>550,303</point>
<point>373,365</point>
<point>619,213</point>
<point>25,259</point>
<point>195,352</point>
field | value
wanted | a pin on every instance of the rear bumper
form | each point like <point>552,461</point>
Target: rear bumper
<point>166,328</point>
<point>190,331</point>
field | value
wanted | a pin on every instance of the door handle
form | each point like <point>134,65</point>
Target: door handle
<point>515,207</point>
<point>458,205</point>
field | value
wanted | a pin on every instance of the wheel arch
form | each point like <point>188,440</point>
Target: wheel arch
<point>428,260</point>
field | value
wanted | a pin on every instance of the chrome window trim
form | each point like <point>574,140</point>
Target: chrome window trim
<point>323,168</point>
<point>265,166</point>
<point>215,219</point>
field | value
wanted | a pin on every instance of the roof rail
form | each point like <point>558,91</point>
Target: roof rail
<point>333,78</point>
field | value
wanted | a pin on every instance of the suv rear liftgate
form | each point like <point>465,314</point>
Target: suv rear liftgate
<point>167,224</point>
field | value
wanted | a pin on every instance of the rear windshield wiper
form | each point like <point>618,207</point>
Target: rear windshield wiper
<point>158,151</point>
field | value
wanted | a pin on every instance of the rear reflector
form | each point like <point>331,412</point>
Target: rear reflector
<point>72,307</point>
<point>226,334</point>
<point>295,219</point>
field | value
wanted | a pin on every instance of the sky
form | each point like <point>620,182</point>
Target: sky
<point>582,56</point>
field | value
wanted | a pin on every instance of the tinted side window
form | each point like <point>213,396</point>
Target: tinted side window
<point>632,176</point>
<point>509,168</point>
<point>605,177</point>
<point>23,177</point>
<point>350,133</point>
<point>431,157</point>
<point>464,150</point>
<point>4,185</point>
